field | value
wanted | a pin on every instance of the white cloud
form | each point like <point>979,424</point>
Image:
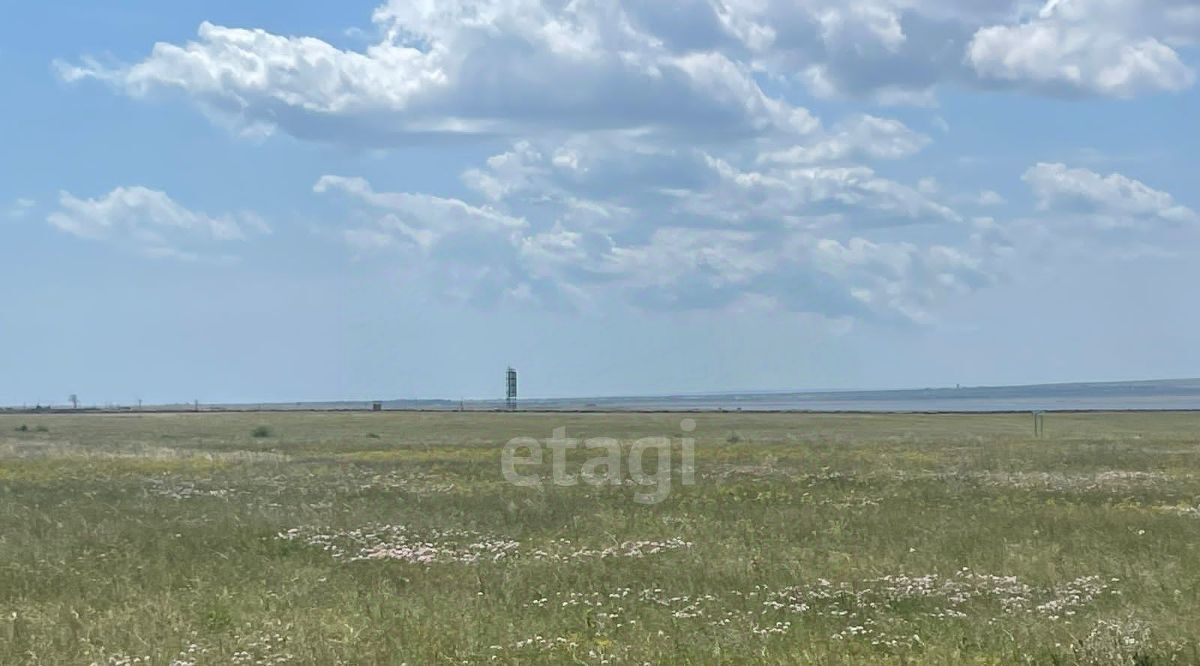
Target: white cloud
<point>20,208</point>
<point>853,195</point>
<point>682,228</point>
<point>540,239</point>
<point>425,220</point>
<point>459,67</point>
<point>898,51</point>
<point>150,222</point>
<point>1107,201</point>
<point>693,67</point>
<point>860,137</point>
<point>862,47</point>
<point>656,158</point>
<point>990,198</point>
<point>462,251</point>
<point>681,268</point>
<point>604,179</point>
<point>1103,47</point>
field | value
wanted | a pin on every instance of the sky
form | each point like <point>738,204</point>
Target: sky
<point>248,202</point>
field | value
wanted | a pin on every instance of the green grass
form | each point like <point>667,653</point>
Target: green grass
<point>828,539</point>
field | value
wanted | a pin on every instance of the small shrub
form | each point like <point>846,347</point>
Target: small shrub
<point>733,438</point>
<point>372,435</point>
<point>22,428</point>
<point>260,432</point>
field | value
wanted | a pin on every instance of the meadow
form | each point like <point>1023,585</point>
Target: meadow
<point>394,538</point>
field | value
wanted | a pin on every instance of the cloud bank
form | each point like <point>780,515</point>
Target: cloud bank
<point>656,152</point>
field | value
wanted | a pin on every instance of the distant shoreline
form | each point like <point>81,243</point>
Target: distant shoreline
<point>615,411</point>
<point>1173,395</point>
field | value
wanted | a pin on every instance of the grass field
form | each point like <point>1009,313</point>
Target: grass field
<point>394,538</point>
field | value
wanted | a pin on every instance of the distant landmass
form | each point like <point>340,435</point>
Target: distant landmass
<point>1175,394</point>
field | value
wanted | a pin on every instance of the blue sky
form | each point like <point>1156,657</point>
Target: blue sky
<point>297,201</point>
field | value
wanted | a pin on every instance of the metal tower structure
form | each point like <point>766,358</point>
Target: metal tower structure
<point>510,395</point>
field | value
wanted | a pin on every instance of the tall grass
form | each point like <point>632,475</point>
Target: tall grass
<point>805,539</point>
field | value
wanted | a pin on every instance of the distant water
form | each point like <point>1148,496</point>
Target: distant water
<point>1143,395</point>
<point>1178,394</point>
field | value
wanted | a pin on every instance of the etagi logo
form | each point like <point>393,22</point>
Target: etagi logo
<point>605,467</point>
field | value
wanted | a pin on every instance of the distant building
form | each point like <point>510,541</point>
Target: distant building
<point>510,395</point>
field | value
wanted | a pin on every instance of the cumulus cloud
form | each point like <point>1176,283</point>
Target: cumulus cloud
<point>893,52</point>
<point>860,137</point>
<point>856,278</point>
<point>640,217</point>
<point>150,222</point>
<point>605,179</point>
<point>483,66</point>
<point>1107,201</point>
<point>655,156</point>
<point>463,251</point>
<point>1104,47</point>
<point>496,65</point>
<point>692,67</point>
<point>848,195</point>
<point>725,237</point>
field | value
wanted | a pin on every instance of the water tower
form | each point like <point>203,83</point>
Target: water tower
<point>510,394</point>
